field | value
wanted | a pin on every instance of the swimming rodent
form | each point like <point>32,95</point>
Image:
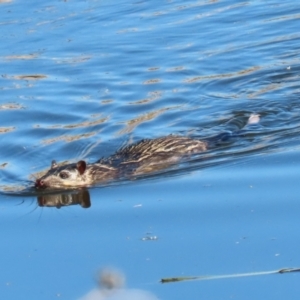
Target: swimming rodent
<point>141,158</point>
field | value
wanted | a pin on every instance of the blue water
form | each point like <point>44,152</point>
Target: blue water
<point>80,79</point>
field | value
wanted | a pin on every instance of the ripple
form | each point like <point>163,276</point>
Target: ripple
<point>6,129</point>
<point>11,106</point>
<point>27,77</point>
<point>152,81</point>
<point>133,123</point>
<point>82,124</point>
<point>68,138</point>
<point>221,76</point>
<point>22,56</point>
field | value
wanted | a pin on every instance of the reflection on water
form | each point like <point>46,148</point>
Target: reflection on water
<point>58,200</point>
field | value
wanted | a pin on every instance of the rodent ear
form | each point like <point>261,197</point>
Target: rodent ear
<point>81,166</point>
<point>53,164</point>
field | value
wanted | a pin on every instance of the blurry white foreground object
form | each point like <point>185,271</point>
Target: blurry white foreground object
<point>119,294</point>
<point>111,288</point>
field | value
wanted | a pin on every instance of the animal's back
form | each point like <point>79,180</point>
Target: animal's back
<point>153,155</point>
<point>157,150</point>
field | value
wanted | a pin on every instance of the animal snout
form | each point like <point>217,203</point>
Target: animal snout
<point>40,183</point>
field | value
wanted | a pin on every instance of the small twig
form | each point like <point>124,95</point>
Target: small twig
<point>176,279</point>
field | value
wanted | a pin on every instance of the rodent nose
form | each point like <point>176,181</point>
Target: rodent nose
<point>39,183</point>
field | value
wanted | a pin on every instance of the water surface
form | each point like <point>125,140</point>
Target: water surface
<point>81,79</point>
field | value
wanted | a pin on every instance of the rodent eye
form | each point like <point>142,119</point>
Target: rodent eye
<point>63,175</point>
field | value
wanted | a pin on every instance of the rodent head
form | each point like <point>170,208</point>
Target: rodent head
<point>71,175</point>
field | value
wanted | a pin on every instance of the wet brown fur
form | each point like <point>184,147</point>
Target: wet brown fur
<point>143,157</point>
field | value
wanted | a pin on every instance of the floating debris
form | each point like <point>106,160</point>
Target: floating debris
<point>281,271</point>
<point>150,238</point>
